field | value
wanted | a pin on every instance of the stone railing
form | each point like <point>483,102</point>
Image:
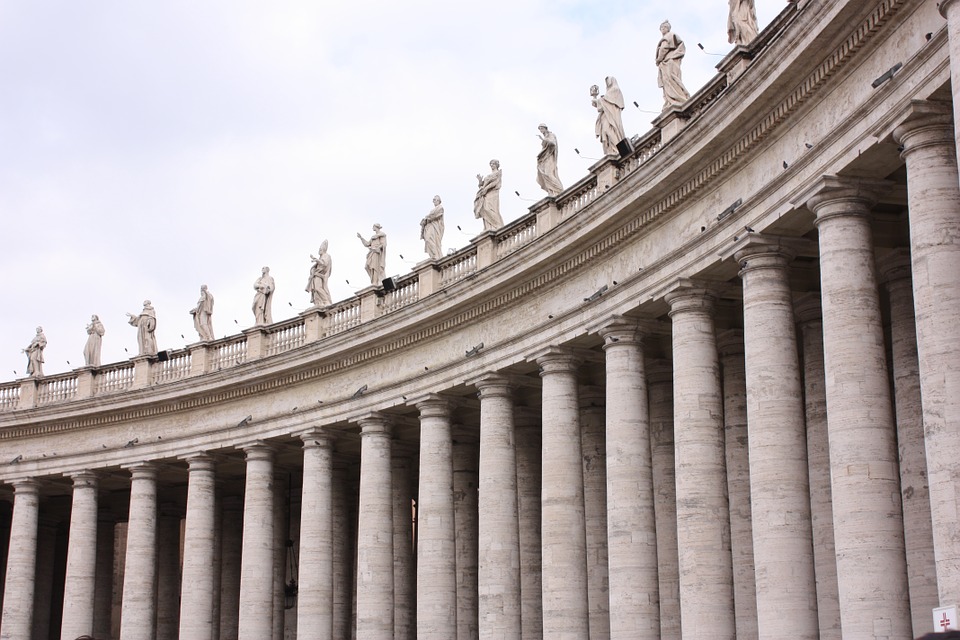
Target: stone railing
<point>406,293</point>
<point>458,266</point>
<point>229,352</point>
<point>176,367</point>
<point>285,336</point>
<point>9,396</point>
<point>571,201</point>
<point>342,316</point>
<point>57,388</point>
<point>644,148</point>
<point>114,377</point>
<point>515,235</point>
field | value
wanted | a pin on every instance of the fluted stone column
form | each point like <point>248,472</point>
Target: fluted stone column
<point>703,518</point>
<point>867,519</point>
<point>498,581</point>
<point>103,594</point>
<point>914,489</point>
<point>19,582</point>
<point>256,563</point>
<point>436,545</point>
<point>529,463</point>
<point>660,393</point>
<point>403,482</point>
<point>631,519</point>
<point>315,597</point>
<point>564,571</point>
<point>138,613</point>
<point>375,532</point>
<point>730,345</point>
<point>593,444</point>
<point>80,581</point>
<point>818,466</point>
<point>197,592</point>
<point>168,572</point>
<point>231,529</point>
<point>928,139</point>
<point>466,480</point>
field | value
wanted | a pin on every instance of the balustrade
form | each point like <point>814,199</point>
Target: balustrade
<point>57,388</point>
<point>578,196</point>
<point>458,266</point>
<point>343,316</point>
<point>517,235</point>
<point>407,292</point>
<point>286,336</point>
<point>230,353</point>
<point>114,377</point>
<point>9,395</point>
<point>175,367</point>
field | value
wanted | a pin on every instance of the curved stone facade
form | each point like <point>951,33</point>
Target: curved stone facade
<point>691,396</point>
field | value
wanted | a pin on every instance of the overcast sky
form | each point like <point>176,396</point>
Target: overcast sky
<point>149,148</point>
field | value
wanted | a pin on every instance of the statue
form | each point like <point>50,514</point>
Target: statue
<point>91,351</point>
<point>487,203</point>
<point>35,354</point>
<point>670,51</point>
<point>263,298</point>
<point>547,176</point>
<point>146,324</point>
<point>431,230</point>
<point>203,315</point>
<point>319,276</point>
<point>609,127</point>
<point>742,22</point>
<point>376,264</point>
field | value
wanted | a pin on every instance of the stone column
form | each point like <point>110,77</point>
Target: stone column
<point>231,529</point>
<point>79,586</point>
<point>404,553</point>
<point>528,503</point>
<point>660,394</point>
<point>138,613</point>
<point>436,546</point>
<point>19,582</point>
<point>103,598</point>
<point>47,535</point>
<point>867,520</point>
<point>737,456</point>
<point>315,598</point>
<point>631,519</point>
<point>779,484</point>
<point>197,592</point>
<point>281,530</point>
<point>908,407</point>
<point>375,532</point>
<point>818,465</point>
<point>927,136</point>
<point>950,9</point>
<point>703,517</point>
<point>593,444</point>
<point>168,572</point>
<point>344,520</point>
<point>466,479</point>
<point>256,564</point>
<point>564,571</point>
<point>499,529</point>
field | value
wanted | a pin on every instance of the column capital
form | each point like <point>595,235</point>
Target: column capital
<point>761,251</point>
<point>621,330</point>
<point>730,342</point>
<point>85,478</point>
<point>925,123</point>
<point>895,266</point>
<point>834,195</point>
<point>493,385</point>
<point>433,405</point>
<point>200,461</point>
<point>374,423</point>
<point>688,295</point>
<point>945,5</point>
<point>318,437</point>
<point>25,486</point>
<point>142,469</point>
<point>806,307</point>
<point>258,450</point>
<point>557,360</point>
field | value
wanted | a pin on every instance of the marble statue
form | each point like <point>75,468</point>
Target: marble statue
<point>431,230</point>
<point>670,51</point>
<point>609,106</point>
<point>263,298</point>
<point>487,203</point>
<point>91,351</point>
<point>146,324</point>
<point>376,264</point>
<point>742,22</point>
<point>35,354</point>
<point>547,176</point>
<point>320,270</point>
<point>203,315</point>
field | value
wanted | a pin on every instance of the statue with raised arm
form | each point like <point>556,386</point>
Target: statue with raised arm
<point>203,315</point>
<point>263,298</point>
<point>319,277</point>
<point>547,176</point>
<point>376,264</point>
<point>487,203</point>
<point>742,22</point>
<point>431,230</point>
<point>34,353</point>
<point>91,351</point>
<point>670,51</point>
<point>609,106</point>
<point>146,324</point>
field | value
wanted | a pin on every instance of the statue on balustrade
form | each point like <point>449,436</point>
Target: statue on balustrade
<point>547,176</point>
<point>146,324</point>
<point>670,51</point>
<point>91,351</point>
<point>317,285</point>
<point>431,230</point>
<point>376,264</point>
<point>203,315</point>
<point>487,203</point>
<point>263,298</point>
<point>742,22</point>
<point>34,353</point>
<point>609,106</point>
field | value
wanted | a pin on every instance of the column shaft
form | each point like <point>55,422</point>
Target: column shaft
<point>19,582</point>
<point>315,598</point>
<point>593,444</point>
<point>257,554</point>
<point>80,581</point>
<point>103,599</point>
<point>231,529</point>
<point>528,503</point>
<point>466,480</point>
<point>404,550</point>
<point>197,593</point>
<point>138,616</point>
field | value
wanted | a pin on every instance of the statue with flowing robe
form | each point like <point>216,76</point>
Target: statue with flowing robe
<point>317,283</point>
<point>203,315</point>
<point>486,205</point>
<point>431,230</point>
<point>670,51</point>
<point>263,298</point>
<point>34,353</point>
<point>146,324</point>
<point>91,351</point>
<point>376,264</point>
<point>547,174</point>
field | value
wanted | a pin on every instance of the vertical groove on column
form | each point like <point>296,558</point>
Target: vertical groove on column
<point>257,554</point>
<point>139,606</point>
<point>79,588</point>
